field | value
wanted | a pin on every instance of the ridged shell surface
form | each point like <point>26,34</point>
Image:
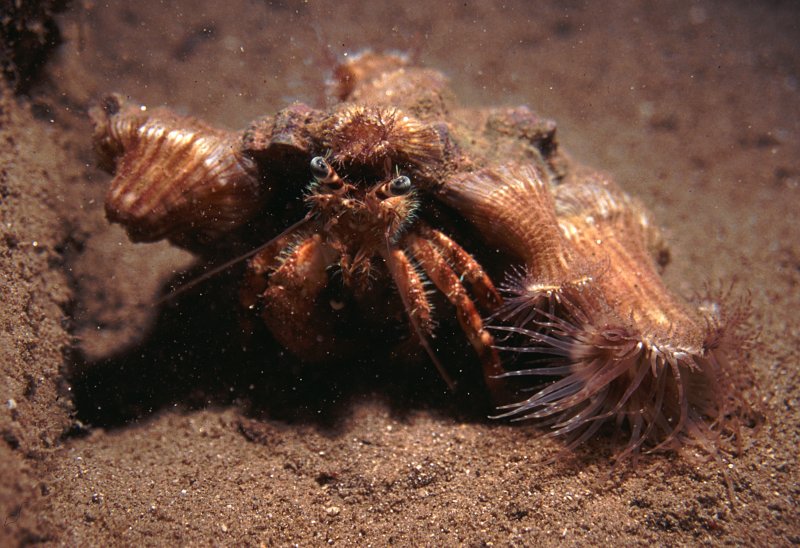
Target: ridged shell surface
<point>175,177</point>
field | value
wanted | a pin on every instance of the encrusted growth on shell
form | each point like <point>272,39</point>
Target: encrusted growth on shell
<point>389,81</point>
<point>175,177</point>
<point>359,69</point>
<point>276,142</point>
<point>529,131</point>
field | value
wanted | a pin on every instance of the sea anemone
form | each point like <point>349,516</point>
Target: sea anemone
<point>588,316</point>
<point>595,367</point>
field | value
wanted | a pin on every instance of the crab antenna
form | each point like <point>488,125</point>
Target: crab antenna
<point>226,265</point>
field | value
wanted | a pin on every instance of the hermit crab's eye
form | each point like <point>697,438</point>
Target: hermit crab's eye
<point>319,167</point>
<point>325,175</point>
<point>399,185</point>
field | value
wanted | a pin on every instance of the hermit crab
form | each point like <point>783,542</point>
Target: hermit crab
<point>392,212</point>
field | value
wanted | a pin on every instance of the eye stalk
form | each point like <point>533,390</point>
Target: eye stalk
<point>399,186</point>
<point>325,175</point>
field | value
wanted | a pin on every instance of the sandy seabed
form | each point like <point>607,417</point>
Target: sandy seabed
<point>126,423</point>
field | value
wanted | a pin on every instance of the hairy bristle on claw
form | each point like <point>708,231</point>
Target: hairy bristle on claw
<point>364,135</point>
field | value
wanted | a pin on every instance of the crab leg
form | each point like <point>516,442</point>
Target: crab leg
<point>485,292</point>
<point>440,273</point>
<point>412,292</point>
<point>289,300</point>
